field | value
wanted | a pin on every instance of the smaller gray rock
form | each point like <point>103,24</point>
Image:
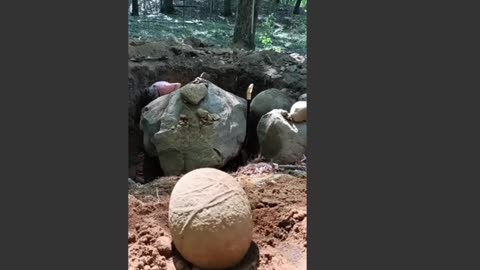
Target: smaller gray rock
<point>269,100</point>
<point>281,141</point>
<point>206,117</point>
<point>194,42</point>
<point>303,97</point>
<point>132,183</point>
<point>292,68</point>
<point>202,113</point>
<point>298,58</point>
<point>215,117</point>
<point>194,93</point>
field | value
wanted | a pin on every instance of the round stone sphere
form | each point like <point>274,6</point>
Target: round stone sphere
<point>298,112</point>
<point>210,219</point>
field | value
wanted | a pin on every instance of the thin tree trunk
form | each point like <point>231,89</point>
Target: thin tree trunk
<point>134,8</point>
<point>296,10</point>
<point>244,32</point>
<point>167,7</point>
<point>210,6</point>
<point>275,4</point>
<point>227,8</point>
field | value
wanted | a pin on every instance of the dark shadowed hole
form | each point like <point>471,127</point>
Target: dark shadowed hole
<point>250,261</point>
<point>142,79</point>
<point>151,168</point>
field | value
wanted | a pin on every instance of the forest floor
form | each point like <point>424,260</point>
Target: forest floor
<point>278,33</point>
<point>279,205</point>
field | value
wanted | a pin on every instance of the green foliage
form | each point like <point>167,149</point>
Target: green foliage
<point>270,21</point>
<point>269,27</point>
<point>272,34</point>
<point>266,40</point>
<point>304,3</point>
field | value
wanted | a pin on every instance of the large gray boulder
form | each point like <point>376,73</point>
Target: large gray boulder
<point>268,100</point>
<point>281,141</point>
<point>199,125</point>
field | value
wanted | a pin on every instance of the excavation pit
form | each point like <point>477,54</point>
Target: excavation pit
<point>231,70</point>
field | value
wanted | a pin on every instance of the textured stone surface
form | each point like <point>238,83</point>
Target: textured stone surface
<point>268,100</point>
<point>186,136</point>
<point>280,140</point>
<point>298,112</point>
<point>193,93</point>
<point>210,219</point>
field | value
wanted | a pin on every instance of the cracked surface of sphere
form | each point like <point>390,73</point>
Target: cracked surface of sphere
<point>210,219</point>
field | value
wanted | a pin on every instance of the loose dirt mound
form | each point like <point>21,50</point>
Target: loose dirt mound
<point>231,69</point>
<point>279,212</point>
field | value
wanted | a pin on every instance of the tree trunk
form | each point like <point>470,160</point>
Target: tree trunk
<point>134,8</point>
<point>144,7</point>
<point>296,10</point>
<point>244,32</point>
<point>210,6</point>
<point>167,7</point>
<point>227,8</point>
<point>275,4</point>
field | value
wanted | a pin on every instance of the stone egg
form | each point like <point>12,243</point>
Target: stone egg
<point>210,219</point>
<point>298,112</point>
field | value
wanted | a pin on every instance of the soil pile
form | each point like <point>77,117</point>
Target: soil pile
<point>280,224</point>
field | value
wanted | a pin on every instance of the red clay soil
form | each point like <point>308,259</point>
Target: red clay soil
<point>279,212</point>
